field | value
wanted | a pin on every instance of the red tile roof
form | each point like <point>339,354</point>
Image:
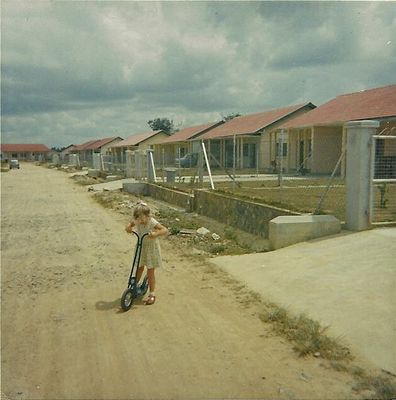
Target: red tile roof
<point>95,144</point>
<point>367,104</point>
<point>24,148</point>
<point>190,132</point>
<point>251,124</point>
<point>83,146</point>
<point>134,140</point>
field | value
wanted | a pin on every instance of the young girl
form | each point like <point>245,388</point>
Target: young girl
<point>151,252</point>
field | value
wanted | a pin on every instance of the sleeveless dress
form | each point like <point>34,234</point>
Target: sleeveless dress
<point>151,251</point>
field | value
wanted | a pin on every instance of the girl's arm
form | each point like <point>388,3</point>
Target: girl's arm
<point>159,230</point>
<point>130,226</point>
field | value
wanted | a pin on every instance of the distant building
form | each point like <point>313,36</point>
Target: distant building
<point>87,149</point>
<point>24,152</point>
<point>140,141</point>
<point>250,141</point>
<point>180,143</point>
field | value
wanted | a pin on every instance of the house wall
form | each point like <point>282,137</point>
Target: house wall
<point>245,151</point>
<point>151,141</point>
<point>28,156</point>
<point>265,154</point>
<point>269,159</point>
<point>105,149</point>
<point>297,153</point>
<point>269,138</point>
<point>327,147</point>
<point>166,154</point>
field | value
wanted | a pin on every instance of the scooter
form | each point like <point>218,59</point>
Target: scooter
<point>134,290</point>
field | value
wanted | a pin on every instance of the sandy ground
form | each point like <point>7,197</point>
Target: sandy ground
<point>65,262</point>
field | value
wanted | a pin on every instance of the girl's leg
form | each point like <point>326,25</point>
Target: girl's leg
<point>151,280</point>
<point>139,274</point>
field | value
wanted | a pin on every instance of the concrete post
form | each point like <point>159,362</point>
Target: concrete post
<point>128,163</point>
<point>358,173</point>
<point>150,166</point>
<point>200,165</point>
<point>96,161</point>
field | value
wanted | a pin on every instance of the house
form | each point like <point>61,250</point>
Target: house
<point>64,154</point>
<point>24,152</point>
<point>87,149</point>
<point>251,138</point>
<point>317,138</point>
<point>142,141</point>
<point>179,144</point>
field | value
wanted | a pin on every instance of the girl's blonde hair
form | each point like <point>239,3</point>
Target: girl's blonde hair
<point>141,209</point>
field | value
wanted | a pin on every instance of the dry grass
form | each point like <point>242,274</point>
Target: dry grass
<point>383,386</point>
<point>306,334</point>
<point>296,194</point>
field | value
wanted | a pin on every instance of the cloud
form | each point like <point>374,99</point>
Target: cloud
<point>72,71</point>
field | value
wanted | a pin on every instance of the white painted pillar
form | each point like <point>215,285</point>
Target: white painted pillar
<point>151,175</point>
<point>358,173</point>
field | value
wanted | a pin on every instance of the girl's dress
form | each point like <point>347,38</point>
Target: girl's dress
<point>151,251</point>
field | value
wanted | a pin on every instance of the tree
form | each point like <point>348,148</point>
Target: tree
<point>163,124</point>
<point>230,116</point>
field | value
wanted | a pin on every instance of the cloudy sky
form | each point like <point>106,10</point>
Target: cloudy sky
<point>79,70</point>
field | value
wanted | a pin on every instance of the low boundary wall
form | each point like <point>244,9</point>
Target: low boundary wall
<point>242,214</point>
<point>179,199</point>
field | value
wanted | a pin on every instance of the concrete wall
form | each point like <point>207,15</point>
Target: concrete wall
<point>246,215</point>
<point>287,230</point>
<point>327,147</point>
<point>179,199</point>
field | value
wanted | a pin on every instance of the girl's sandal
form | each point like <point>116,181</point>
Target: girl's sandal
<point>150,300</point>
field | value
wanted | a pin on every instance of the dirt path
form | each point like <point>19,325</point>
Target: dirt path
<point>65,262</point>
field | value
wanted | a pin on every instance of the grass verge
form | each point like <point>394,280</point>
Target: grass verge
<point>307,335</point>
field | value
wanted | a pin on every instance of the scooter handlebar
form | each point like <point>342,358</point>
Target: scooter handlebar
<point>137,235</point>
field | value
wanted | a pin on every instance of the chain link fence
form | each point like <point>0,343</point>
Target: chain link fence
<point>300,188</point>
<point>383,193</point>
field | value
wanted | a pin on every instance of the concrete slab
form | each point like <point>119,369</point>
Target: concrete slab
<point>112,185</point>
<point>346,281</point>
<point>290,229</point>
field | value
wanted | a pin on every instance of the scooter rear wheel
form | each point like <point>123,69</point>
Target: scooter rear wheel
<point>127,299</point>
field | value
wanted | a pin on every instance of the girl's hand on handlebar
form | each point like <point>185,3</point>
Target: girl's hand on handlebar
<point>129,228</point>
<point>152,235</point>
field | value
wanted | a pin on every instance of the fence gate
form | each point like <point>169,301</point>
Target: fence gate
<point>383,188</point>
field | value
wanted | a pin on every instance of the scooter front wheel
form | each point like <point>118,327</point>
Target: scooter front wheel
<point>127,299</point>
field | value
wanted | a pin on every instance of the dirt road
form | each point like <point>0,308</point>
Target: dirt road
<point>65,262</point>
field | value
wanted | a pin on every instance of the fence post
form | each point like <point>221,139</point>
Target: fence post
<point>128,163</point>
<point>151,176</point>
<point>358,173</point>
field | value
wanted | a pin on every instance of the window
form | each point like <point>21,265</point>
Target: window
<point>284,150</point>
<point>246,150</point>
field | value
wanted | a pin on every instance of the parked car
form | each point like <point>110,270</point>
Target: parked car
<point>189,160</point>
<point>14,164</point>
